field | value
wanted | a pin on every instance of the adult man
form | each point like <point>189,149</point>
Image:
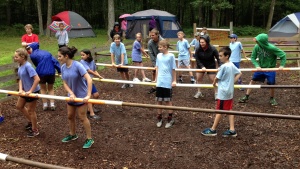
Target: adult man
<point>267,55</point>
<point>153,51</point>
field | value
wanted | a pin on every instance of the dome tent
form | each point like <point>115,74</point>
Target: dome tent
<point>79,26</point>
<point>166,23</point>
<point>286,27</point>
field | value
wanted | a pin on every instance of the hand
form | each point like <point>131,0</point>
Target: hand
<point>113,64</point>
<point>21,91</point>
<point>280,68</point>
<point>86,98</point>
<point>72,97</point>
<point>258,68</point>
<point>28,93</point>
<point>215,84</point>
<point>174,84</point>
<point>204,68</point>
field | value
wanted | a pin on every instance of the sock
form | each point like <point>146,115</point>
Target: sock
<point>192,77</point>
<point>52,104</point>
<point>170,114</point>
<point>180,77</point>
<point>159,116</point>
<point>271,98</point>
<point>45,104</point>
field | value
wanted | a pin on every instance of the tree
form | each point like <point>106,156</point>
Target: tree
<point>49,14</point>
<point>111,16</point>
<point>39,8</point>
<point>270,18</point>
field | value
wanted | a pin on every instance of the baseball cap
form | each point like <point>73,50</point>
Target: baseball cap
<point>197,34</point>
<point>233,36</point>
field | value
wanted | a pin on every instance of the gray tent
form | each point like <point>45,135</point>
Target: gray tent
<point>286,27</point>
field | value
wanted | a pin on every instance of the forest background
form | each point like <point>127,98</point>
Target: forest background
<point>101,14</point>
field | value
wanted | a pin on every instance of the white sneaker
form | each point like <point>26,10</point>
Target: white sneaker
<point>130,85</point>
<point>136,80</point>
<point>124,86</point>
<point>198,94</point>
<point>170,123</point>
<point>159,123</point>
<point>146,80</point>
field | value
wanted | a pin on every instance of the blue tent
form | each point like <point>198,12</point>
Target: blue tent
<point>166,23</point>
<point>286,27</point>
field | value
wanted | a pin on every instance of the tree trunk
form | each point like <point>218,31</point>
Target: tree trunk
<point>111,16</point>
<point>201,18</point>
<point>39,8</point>
<point>252,13</point>
<point>8,13</point>
<point>270,18</point>
<point>49,15</point>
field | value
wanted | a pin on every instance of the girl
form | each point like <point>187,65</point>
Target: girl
<point>166,79</point>
<point>89,64</point>
<point>74,83</point>
<point>28,83</point>
<point>62,36</point>
<point>137,51</point>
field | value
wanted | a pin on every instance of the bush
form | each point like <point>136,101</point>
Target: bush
<point>248,31</point>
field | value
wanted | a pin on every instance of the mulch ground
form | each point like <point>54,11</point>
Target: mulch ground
<point>127,137</point>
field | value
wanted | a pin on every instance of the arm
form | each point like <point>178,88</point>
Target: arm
<point>198,61</point>
<point>20,86</point>
<point>215,82</point>
<point>216,55</point>
<point>34,85</point>
<point>143,51</point>
<point>95,73</point>
<point>122,59</point>
<point>174,78</point>
<point>89,85</point>
<point>237,76</point>
<point>254,57</point>
<point>282,56</point>
<point>67,38</point>
<point>57,34</point>
<point>67,88</point>
<point>156,70</point>
<point>56,65</point>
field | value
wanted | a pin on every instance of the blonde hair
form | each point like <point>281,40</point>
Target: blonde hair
<point>180,32</point>
<point>22,53</point>
<point>138,34</point>
<point>164,43</point>
<point>155,31</point>
<point>28,26</point>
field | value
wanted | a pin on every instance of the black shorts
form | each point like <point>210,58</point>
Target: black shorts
<point>50,79</point>
<point>137,61</point>
<point>30,99</point>
<point>122,69</point>
<point>163,94</point>
<point>75,104</point>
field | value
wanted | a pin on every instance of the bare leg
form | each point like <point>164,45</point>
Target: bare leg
<point>231,122</point>
<point>216,121</point>
<point>44,91</point>
<point>83,118</point>
<point>272,92</point>
<point>199,78</point>
<point>71,118</point>
<point>21,107</point>
<point>90,105</point>
<point>51,92</point>
<point>31,111</point>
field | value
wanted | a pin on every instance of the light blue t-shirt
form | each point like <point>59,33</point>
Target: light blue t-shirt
<point>165,64</point>
<point>73,76</point>
<point>236,48</point>
<point>136,51</point>
<point>89,66</point>
<point>26,73</point>
<point>117,51</point>
<point>196,43</point>
<point>183,49</point>
<point>225,76</point>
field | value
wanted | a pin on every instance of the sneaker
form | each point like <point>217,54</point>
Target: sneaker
<point>45,108</point>
<point>69,138</point>
<point>130,85</point>
<point>136,80</point>
<point>170,122</point>
<point>125,86</point>
<point>229,133</point>
<point>52,108</point>
<point>1,119</point>
<point>28,126</point>
<point>193,81</point>
<point>209,132</point>
<point>146,80</point>
<point>241,89</point>
<point>160,121</point>
<point>33,133</point>
<point>243,99</point>
<point>198,94</point>
<point>180,80</point>
<point>95,117</point>
<point>273,102</point>
<point>152,90</point>
<point>88,143</point>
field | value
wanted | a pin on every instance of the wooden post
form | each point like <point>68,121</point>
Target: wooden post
<point>194,28</point>
<point>231,27</point>
<point>145,35</point>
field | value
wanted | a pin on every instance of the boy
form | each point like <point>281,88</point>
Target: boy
<point>236,49</point>
<point>184,56</point>
<point>62,36</point>
<point>166,79</point>
<point>119,58</point>
<point>227,75</point>
<point>267,55</point>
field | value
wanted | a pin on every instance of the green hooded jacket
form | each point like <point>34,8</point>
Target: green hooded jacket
<point>266,53</point>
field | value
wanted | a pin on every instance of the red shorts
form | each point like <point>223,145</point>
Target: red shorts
<point>224,104</point>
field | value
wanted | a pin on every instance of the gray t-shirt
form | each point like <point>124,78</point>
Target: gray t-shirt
<point>26,73</point>
<point>153,50</point>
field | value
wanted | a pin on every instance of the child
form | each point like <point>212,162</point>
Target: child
<point>28,83</point>
<point>46,65</point>
<point>62,36</point>
<point>29,37</point>
<point>196,43</point>
<point>184,55</point>
<point>89,64</point>
<point>166,79</point>
<point>137,51</point>
<point>227,75</point>
<point>119,58</point>
<point>77,83</point>
<point>236,49</point>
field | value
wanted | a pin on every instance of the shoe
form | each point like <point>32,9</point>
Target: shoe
<point>209,132</point>
<point>136,80</point>
<point>229,133</point>
<point>88,143</point>
<point>180,80</point>
<point>69,138</point>
<point>130,85</point>
<point>198,94</point>
<point>241,89</point>
<point>52,108</point>
<point>160,121</point>
<point>273,102</point>
<point>193,81</point>
<point>45,108</point>
<point>28,126</point>
<point>243,99</point>
<point>95,117</point>
<point>125,86</point>
<point>152,90</point>
<point>33,133</point>
<point>146,80</point>
<point>170,122</point>
<point>1,119</point>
